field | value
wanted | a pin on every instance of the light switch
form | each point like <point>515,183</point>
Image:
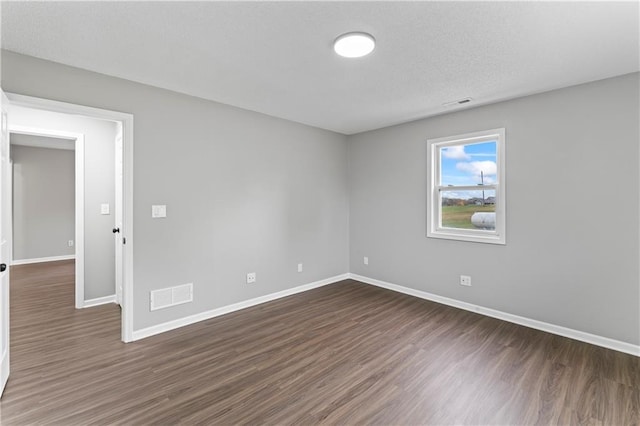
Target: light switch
<point>104,208</point>
<point>159,211</point>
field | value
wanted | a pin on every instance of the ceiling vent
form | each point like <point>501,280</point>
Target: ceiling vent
<point>458,102</point>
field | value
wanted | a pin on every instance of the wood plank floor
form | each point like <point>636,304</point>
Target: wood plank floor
<point>346,353</point>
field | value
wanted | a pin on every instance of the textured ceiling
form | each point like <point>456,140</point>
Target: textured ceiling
<point>276,57</point>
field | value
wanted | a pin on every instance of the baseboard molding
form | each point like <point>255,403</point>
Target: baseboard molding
<point>42,259</point>
<point>605,342</point>
<point>99,301</point>
<point>181,322</point>
<point>516,319</point>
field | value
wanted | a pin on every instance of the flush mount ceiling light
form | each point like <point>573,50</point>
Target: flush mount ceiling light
<point>354,45</point>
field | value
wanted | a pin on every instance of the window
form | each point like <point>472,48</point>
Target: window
<point>465,180</point>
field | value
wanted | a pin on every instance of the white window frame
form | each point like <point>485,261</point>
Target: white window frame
<point>434,202</point>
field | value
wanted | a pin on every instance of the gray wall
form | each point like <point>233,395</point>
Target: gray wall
<point>245,192</point>
<point>572,252</point>
<point>251,193</point>
<point>99,188</point>
<point>43,201</point>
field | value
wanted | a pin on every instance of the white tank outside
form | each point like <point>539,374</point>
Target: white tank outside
<point>484,220</point>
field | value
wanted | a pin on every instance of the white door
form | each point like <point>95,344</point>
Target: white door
<point>5,253</point>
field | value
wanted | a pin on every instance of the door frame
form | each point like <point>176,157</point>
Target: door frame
<point>79,197</point>
<point>126,232</point>
<point>119,157</point>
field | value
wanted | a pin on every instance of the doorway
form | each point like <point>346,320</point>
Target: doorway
<point>119,209</point>
<point>37,138</point>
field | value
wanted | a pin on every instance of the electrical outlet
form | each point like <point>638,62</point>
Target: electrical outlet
<point>465,280</point>
<point>251,277</point>
<point>365,260</point>
<point>299,267</point>
<point>70,243</point>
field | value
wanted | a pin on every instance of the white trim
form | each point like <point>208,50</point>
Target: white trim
<point>435,190</point>
<point>100,301</point>
<point>118,169</point>
<point>181,322</point>
<point>42,259</point>
<point>79,221</point>
<point>582,336</point>
<point>127,229</point>
<point>78,139</point>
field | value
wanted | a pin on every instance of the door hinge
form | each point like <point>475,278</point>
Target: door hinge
<point>124,240</point>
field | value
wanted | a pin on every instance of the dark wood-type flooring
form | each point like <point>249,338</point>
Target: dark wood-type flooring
<point>347,353</point>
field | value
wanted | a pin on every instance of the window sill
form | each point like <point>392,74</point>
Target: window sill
<point>447,234</point>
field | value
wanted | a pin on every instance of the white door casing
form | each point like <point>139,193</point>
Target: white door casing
<point>78,139</point>
<point>126,230</point>
<point>118,213</point>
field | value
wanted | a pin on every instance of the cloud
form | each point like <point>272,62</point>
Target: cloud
<point>455,152</point>
<point>473,168</point>
<point>483,154</point>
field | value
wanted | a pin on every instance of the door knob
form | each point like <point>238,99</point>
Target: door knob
<point>116,230</point>
<point>3,267</point>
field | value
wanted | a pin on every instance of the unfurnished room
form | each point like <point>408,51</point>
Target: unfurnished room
<point>320,212</point>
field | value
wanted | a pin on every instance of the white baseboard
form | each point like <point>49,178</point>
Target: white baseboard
<point>516,319</point>
<point>605,342</point>
<point>181,322</point>
<point>99,301</point>
<point>42,259</point>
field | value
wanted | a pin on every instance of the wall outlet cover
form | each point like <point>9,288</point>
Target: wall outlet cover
<point>251,277</point>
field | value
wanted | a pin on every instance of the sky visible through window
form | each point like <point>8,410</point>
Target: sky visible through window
<point>468,165</point>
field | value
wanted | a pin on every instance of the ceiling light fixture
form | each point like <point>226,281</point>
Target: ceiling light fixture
<point>354,45</point>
